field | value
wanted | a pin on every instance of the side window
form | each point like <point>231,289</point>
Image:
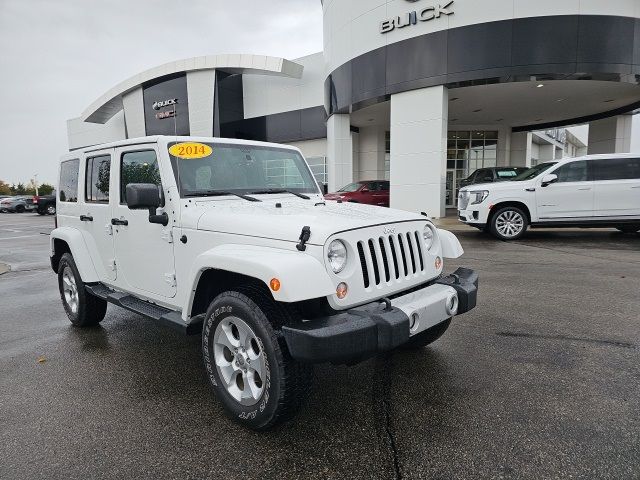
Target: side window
<point>573,172</point>
<point>138,167</point>
<point>68,186</point>
<point>617,169</point>
<point>485,176</point>
<point>97,179</point>
<point>372,186</point>
<point>383,186</point>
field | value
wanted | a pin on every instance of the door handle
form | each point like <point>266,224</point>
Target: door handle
<point>584,189</point>
<point>86,218</point>
<point>636,186</point>
<point>117,221</point>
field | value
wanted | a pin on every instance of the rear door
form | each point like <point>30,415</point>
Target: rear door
<point>617,187</point>
<point>144,250</point>
<point>570,197</point>
<point>95,212</point>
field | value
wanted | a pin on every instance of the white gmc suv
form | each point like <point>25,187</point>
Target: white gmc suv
<point>232,240</point>
<point>591,191</point>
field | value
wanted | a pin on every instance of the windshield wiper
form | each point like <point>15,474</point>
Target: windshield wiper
<point>280,190</point>
<point>221,193</point>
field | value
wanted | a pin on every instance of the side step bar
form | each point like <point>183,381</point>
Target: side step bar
<point>164,316</point>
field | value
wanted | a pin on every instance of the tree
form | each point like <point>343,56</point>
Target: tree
<point>45,189</point>
<point>5,189</point>
<point>19,189</point>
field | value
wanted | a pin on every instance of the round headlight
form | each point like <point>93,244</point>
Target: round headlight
<point>427,234</point>
<point>337,255</point>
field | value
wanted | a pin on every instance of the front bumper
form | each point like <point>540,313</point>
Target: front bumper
<point>360,333</point>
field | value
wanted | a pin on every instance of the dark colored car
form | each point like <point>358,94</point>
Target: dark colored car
<point>45,204</point>
<point>493,174</point>
<point>371,192</point>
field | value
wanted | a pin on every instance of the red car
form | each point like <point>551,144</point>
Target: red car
<point>371,192</point>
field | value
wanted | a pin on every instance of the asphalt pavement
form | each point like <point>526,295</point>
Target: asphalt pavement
<point>541,380</point>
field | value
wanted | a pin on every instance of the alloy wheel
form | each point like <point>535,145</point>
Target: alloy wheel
<point>509,224</point>
<point>240,360</point>
<point>70,289</point>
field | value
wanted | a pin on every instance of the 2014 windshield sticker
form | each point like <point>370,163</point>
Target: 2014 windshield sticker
<point>190,150</point>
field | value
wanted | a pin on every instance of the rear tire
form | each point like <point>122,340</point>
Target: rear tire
<point>509,223</point>
<point>629,228</point>
<point>247,361</point>
<point>427,337</point>
<point>51,210</point>
<point>20,209</point>
<point>82,308</point>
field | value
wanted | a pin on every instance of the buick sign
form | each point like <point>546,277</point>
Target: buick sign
<point>165,103</point>
<point>412,18</point>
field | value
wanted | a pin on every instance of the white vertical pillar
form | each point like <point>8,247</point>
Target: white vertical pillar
<point>371,153</point>
<point>201,90</point>
<point>339,151</point>
<point>611,135</point>
<point>133,104</point>
<point>419,150</point>
<point>520,149</point>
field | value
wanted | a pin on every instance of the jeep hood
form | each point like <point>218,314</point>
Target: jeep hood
<point>285,222</point>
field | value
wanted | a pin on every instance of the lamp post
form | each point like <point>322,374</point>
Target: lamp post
<point>35,182</point>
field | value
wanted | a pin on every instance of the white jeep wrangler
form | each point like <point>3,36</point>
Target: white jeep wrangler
<point>233,240</point>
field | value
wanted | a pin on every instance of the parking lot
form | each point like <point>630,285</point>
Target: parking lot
<point>541,380</point>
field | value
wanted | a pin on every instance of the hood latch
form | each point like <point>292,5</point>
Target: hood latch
<point>305,235</point>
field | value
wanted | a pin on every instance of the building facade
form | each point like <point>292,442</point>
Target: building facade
<point>418,92</point>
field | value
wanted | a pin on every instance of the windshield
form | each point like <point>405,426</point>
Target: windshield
<point>352,187</point>
<point>533,172</point>
<point>242,169</point>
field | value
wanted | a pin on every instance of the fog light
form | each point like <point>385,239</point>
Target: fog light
<point>438,263</point>
<point>275,284</point>
<point>341,290</point>
<point>452,304</point>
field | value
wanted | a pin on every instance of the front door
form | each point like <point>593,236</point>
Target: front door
<point>570,197</point>
<point>144,251</point>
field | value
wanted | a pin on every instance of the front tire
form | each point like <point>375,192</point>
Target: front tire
<point>427,337</point>
<point>20,209</point>
<point>509,223</point>
<point>629,228</point>
<point>247,361</point>
<point>82,308</point>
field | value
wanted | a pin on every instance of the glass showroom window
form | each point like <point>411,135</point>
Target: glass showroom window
<point>469,150</point>
<point>318,166</point>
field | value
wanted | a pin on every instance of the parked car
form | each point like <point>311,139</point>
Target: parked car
<point>204,235</point>
<point>493,174</point>
<point>18,204</point>
<point>591,191</point>
<point>45,204</point>
<point>370,192</point>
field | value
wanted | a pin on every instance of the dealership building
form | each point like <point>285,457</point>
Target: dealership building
<point>420,92</point>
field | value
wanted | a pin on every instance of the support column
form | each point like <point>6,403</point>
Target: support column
<point>371,153</point>
<point>419,150</point>
<point>339,151</point>
<point>610,135</point>
<point>133,105</point>
<point>201,90</point>
<point>520,149</point>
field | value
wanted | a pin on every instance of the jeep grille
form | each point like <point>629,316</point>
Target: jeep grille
<point>391,257</point>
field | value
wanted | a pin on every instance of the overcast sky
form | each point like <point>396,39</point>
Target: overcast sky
<point>58,56</point>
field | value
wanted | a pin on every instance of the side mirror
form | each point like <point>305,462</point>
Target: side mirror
<point>364,190</point>
<point>143,196</point>
<point>549,179</point>
<point>146,196</point>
